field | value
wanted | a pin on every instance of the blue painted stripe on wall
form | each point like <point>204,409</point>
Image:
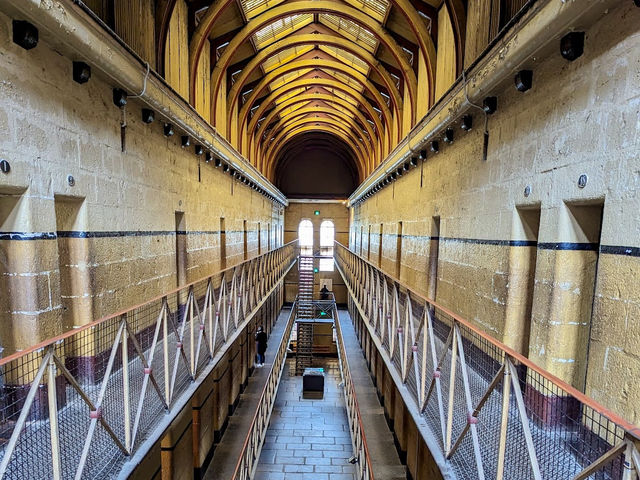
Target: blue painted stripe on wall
<point>568,246</point>
<point>564,246</point>
<point>28,236</point>
<point>103,234</point>
<point>619,250</point>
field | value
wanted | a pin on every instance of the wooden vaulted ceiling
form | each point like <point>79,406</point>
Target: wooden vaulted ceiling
<point>361,71</point>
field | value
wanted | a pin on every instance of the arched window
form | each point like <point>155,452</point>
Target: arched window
<point>305,237</point>
<point>327,236</point>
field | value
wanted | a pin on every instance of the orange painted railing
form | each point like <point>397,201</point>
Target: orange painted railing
<point>252,446</point>
<point>358,437</point>
<point>78,405</point>
<point>534,426</point>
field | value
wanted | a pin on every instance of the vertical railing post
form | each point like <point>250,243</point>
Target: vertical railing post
<point>502,446</point>
<point>452,387</point>
<point>471,419</point>
<point>165,351</point>
<point>212,306</point>
<point>53,418</point>
<point>125,388</point>
<point>630,465</point>
<point>524,419</point>
<point>192,334</point>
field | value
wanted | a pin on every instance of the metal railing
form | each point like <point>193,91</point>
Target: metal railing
<point>323,307</point>
<point>250,454</point>
<point>493,412</point>
<point>358,438</point>
<point>79,404</point>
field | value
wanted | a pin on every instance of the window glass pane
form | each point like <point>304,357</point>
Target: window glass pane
<point>351,30</point>
<point>280,28</point>
<point>327,233</point>
<point>326,265</point>
<point>305,237</point>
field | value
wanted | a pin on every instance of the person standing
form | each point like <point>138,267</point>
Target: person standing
<point>261,346</point>
<point>324,293</point>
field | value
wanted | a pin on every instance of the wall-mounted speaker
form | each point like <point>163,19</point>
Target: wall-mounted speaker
<point>25,34</point>
<point>81,72</point>
<point>572,45</point>
<point>524,80</point>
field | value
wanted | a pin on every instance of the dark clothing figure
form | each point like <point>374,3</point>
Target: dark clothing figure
<point>324,293</point>
<point>261,346</point>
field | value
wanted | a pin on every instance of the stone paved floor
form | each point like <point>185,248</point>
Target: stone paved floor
<point>308,439</point>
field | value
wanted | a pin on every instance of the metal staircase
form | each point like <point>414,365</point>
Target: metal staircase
<point>304,342</point>
<point>304,351</point>
<point>305,287</point>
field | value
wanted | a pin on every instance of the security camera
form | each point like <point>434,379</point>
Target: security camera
<point>353,460</point>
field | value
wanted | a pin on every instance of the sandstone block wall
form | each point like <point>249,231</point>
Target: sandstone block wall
<point>133,225</point>
<point>554,274</point>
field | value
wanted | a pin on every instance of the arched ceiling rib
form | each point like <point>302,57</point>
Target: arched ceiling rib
<point>319,7</point>
<point>324,80</point>
<point>285,68</point>
<point>321,86</point>
<point>313,99</point>
<point>345,123</point>
<point>325,40</point>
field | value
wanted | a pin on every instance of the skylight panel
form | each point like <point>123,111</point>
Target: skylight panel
<point>280,28</point>
<point>347,58</point>
<point>341,77</point>
<point>350,30</point>
<point>253,8</point>
<point>287,78</point>
<point>284,56</point>
<point>377,9</point>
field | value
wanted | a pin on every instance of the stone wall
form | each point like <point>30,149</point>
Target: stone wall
<point>528,268</point>
<point>134,224</point>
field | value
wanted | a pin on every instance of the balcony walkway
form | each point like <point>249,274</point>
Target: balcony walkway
<point>382,450</point>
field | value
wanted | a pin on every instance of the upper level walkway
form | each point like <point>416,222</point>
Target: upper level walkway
<point>310,439</point>
<point>121,384</point>
<point>151,389</point>
<point>483,410</point>
<point>322,437</point>
<point>228,450</point>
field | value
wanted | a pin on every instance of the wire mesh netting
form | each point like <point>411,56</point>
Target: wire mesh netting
<point>458,378</point>
<point>112,382</point>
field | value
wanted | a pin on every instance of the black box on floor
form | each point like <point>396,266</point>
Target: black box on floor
<point>313,383</point>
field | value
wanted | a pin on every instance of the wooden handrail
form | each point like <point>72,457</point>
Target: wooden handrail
<point>254,420</point>
<point>75,331</point>
<point>578,395</point>
<point>355,398</point>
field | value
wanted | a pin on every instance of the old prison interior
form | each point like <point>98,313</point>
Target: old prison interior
<point>320,239</point>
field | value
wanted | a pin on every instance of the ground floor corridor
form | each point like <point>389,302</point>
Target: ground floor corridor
<point>308,438</point>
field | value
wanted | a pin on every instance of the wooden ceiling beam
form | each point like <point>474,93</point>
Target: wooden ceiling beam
<point>429,11</point>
